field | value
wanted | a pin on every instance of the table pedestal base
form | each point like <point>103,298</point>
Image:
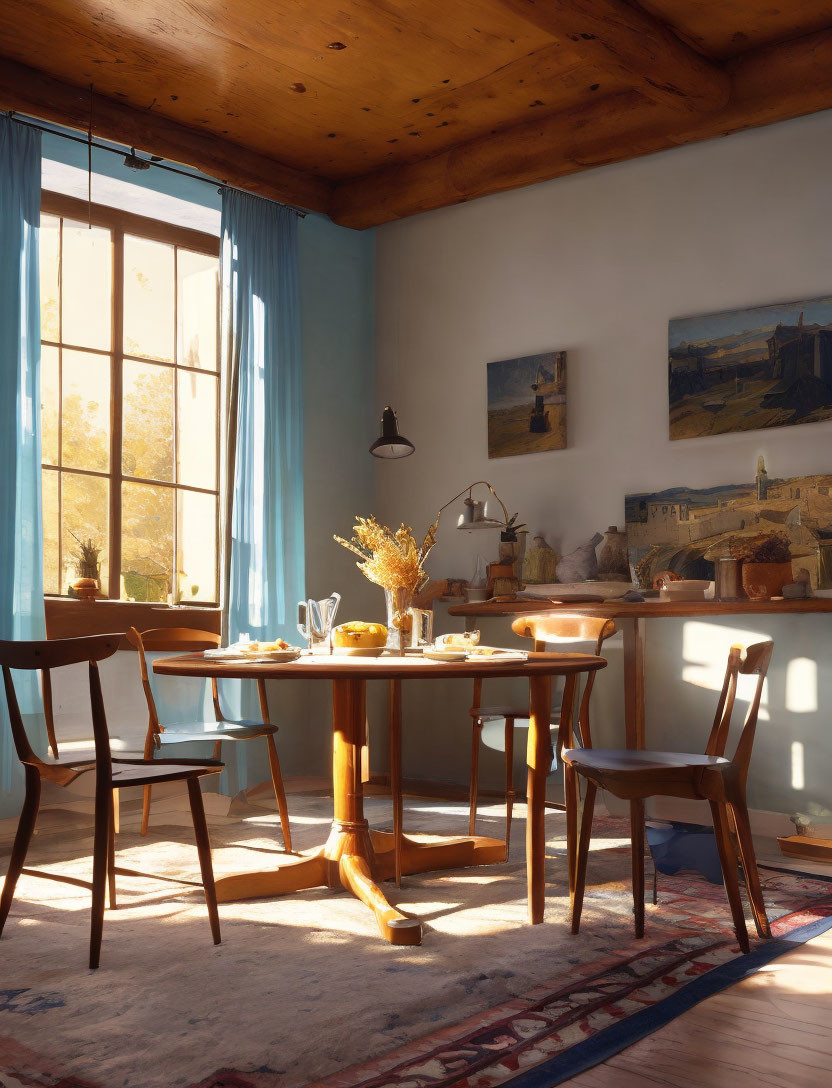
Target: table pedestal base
<point>356,859</point>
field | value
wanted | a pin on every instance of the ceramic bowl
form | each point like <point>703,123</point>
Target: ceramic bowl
<point>473,594</point>
<point>688,589</point>
<point>607,590</point>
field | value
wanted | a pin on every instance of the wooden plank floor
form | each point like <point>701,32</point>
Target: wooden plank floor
<point>772,1030</point>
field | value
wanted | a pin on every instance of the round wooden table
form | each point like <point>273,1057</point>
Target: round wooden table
<point>356,858</point>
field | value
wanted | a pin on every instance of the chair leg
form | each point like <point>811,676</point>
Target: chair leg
<point>637,845</point>
<point>111,850</point>
<point>279,793</point>
<point>100,853</point>
<point>145,809</point>
<point>396,774</point>
<point>749,866</point>
<point>577,895</point>
<point>116,813</point>
<point>476,733</point>
<point>149,752</point>
<point>572,799</point>
<point>509,746</point>
<point>23,836</point>
<point>203,845</point>
<point>728,860</point>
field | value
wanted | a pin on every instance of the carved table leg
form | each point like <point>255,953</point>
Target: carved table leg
<point>354,857</point>
<point>294,875</point>
<point>349,843</point>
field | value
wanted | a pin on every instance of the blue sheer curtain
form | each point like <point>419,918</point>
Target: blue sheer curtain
<point>263,398</point>
<point>21,534</point>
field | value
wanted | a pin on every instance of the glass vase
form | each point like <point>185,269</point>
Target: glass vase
<point>399,619</point>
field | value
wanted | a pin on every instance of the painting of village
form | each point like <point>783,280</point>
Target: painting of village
<point>745,369</point>
<point>684,530</point>
<point>527,404</point>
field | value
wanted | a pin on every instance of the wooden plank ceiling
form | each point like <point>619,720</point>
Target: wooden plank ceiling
<point>371,110</point>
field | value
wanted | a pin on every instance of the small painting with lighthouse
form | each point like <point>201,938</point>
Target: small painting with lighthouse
<point>527,404</point>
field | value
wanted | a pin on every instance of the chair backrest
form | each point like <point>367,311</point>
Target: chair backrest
<point>748,661</point>
<point>166,639</point>
<point>546,627</point>
<point>53,654</point>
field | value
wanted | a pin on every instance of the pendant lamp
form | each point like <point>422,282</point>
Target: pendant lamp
<point>390,443</point>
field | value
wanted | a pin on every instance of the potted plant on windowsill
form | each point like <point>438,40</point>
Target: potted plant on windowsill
<point>87,563</point>
<point>766,564</point>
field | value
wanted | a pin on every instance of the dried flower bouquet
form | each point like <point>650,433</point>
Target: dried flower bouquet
<point>392,560</point>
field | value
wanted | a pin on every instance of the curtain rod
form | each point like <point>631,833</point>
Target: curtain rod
<point>11,114</point>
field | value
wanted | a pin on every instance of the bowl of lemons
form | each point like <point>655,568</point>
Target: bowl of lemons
<point>360,639</point>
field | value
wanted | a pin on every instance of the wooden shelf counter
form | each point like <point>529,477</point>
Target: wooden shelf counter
<point>630,617</point>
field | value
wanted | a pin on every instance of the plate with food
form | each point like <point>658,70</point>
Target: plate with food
<point>276,651</point>
<point>359,638</point>
<point>439,654</point>
<point>491,653</point>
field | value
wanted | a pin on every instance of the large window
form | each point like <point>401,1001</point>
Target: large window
<point>129,403</point>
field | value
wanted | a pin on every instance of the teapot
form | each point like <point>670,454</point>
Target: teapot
<point>315,619</point>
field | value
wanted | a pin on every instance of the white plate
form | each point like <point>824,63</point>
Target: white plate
<point>500,655</point>
<point>446,655</point>
<point>273,656</point>
<point>292,654</point>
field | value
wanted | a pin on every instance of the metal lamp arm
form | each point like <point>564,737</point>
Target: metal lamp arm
<point>468,490</point>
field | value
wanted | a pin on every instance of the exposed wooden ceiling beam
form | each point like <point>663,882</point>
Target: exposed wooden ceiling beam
<point>772,84</point>
<point>27,90</point>
<point>619,37</point>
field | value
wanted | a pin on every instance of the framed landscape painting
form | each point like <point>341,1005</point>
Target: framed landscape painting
<point>770,366</point>
<point>527,404</point>
<point>686,529</point>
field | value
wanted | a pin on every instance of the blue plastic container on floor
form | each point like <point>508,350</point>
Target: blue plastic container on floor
<point>675,845</point>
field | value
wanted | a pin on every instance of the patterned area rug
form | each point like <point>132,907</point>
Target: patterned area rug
<point>302,992</point>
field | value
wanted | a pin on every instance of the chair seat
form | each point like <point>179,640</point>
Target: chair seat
<point>184,732</point>
<point>145,773</point>
<point>631,774</point>
<point>636,761</point>
<point>141,772</point>
<point>490,713</point>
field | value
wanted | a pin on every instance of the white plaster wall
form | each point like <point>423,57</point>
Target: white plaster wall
<point>597,264</point>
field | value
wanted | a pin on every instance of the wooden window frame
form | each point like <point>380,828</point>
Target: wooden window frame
<point>62,612</point>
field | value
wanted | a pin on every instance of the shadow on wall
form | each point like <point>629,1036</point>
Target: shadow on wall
<point>792,762</point>
<point>685,666</point>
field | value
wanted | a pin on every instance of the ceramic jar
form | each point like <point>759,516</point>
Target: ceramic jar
<point>581,564</point>
<point>762,581</point>
<point>612,558</point>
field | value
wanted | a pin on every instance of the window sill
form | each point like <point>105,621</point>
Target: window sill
<point>67,618</point>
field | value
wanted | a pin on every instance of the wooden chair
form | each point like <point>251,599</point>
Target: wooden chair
<point>543,628</point>
<point>110,774</point>
<point>635,775</point>
<point>185,639</point>
<point>52,738</point>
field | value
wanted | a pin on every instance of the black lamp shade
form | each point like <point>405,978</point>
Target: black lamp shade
<point>390,443</point>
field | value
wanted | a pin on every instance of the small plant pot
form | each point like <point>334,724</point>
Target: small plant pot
<point>762,581</point>
<point>90,570</point>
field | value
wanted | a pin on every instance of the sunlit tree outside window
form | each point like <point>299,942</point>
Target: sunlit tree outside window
<point>129,404</point>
